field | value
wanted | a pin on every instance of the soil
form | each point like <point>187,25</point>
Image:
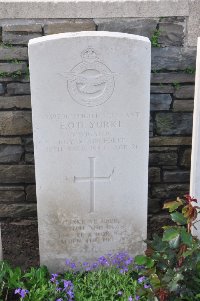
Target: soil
<point>20,243</point>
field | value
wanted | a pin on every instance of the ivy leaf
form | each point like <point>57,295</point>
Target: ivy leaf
<point>173,205</point>
<point>186,237</point>
<point>170,234</point>
<point>178,218</point>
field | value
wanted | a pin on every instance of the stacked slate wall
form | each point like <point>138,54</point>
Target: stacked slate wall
<point>172,94</point>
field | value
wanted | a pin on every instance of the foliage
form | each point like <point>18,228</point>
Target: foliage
<point>155,37</point>
<point>190,70</point>
<point>169,271</point>
<point>175,271</point>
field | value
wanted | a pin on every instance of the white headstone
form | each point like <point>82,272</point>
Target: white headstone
<point>195,162</point>
<point>90,102</point>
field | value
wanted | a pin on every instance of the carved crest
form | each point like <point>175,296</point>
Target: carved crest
<point>90,83</point>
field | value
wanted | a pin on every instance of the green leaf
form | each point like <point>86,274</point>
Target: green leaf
<point>170,234</point>
<point>178,218</point>
<point>149,262</point>
<point>140,259</point>
<point>172,206</point>
<point>186,237</point>
<point>175,242</point>
<point>155,281</point>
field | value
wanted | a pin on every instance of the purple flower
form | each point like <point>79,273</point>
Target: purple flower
<point>147,285</point>
<point>120,293</point>
<point>60,299</point>
<point>53,277</point>
<point>137,297</point>
<point>71,294</point>
<point>67,262</point>
<point>103,261</point>
<point>72,265</point>
<point>141,279</point>
<point>18,291</point>
<point>130,299</point>
<point>21,292</point>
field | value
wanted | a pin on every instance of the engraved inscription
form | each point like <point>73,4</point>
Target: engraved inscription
<point>92,179</point>
<point>90,83</point>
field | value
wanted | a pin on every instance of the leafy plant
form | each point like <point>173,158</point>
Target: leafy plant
<point>155,37</point>
<point>175,271</point>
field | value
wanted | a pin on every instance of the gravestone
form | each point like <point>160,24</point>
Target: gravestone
<point>195,162</point>
<point>90,102</point>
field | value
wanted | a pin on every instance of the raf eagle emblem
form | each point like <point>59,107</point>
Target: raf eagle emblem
<point>90,83</point>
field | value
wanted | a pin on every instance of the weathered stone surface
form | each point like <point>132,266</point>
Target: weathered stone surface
<point>12,196</point>
<point>18,88</point>
<point>70,25</point>
<point>14,140</point>
<point>162,149</point>
<point>169,190</point>
<point>172,77</point>
<point>29,158</point>
<point>17,174</point>
<point>22,26</point>
<point>10,153</point>
<point>101,106</point>
<point>162,89</point>
<point>11,188</point>
<point>142,27</point>
<point>173,58</point>
<point>162,141</point>
<point>17,38</point>
<point>15,102</point>
<point>29,144</point>
<point>12,67</point>
<point>31,193</point>
<point>185,92</point>
<point>2,89</point>
<point>176,176</point>
<point>171,34</point>
<point>174,123</point>
<point>10,53</point>
<point>165,158</point>
<point>154,205</point>
<point>15,123</point>
<point>182,105</point>
<point>160,102</point>
<point>185,160</point>
<point>94,9</point>
<point>151,127</point>
<point>18,210</point>
<point>154,175</point>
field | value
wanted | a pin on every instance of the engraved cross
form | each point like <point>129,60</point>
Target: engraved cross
<point>92,179</point>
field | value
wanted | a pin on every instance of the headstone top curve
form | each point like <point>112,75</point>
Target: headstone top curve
<point>88,34</point>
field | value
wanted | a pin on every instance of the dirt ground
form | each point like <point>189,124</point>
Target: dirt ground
<point>20,243</point>
<point>20,240</point>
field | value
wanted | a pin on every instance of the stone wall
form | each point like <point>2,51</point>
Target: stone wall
<point>172,93</point>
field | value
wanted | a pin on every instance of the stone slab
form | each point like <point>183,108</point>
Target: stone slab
<point>15,123</point>
<point>15,102</point>
<point>92,9</point>
<point>12,53</point>
<point>195,161</point>
<point>71,25</point>
<point>86,205</point>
